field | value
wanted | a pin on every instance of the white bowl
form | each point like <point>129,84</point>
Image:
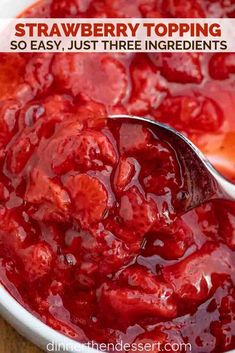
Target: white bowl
<point>24,322</point>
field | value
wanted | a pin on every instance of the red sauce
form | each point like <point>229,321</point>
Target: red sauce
<point>90,241</point>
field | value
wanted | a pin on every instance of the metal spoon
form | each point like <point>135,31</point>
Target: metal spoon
<point>202,182</point>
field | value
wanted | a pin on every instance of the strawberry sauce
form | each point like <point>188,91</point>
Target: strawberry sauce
<point>90,241</point>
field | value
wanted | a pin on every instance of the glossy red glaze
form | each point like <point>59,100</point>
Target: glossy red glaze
<point>90,241</point>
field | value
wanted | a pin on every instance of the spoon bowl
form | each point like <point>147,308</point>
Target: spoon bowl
<point>202,182</point>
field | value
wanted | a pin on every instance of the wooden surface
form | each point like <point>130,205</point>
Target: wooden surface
<point>12,342</point>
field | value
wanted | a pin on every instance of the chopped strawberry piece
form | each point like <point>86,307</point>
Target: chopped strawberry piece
<point>194,113</point>
<point>182,9</point>
<point>207,221</point>
<point>43,117</point>
<point>230,13</point>
<point>69,127</point>
<point>62,154</point>
<point>51,110</point>
<point>114,252</point>
<point>171,242</point>
<point>138,277</point>
<point>226,217</point>
<point>66,329</point>
<point>136,212</point>
<point>156,339</point>
<point>30,114</point>
<point>118,109</point>
<point>100,77</point>
<point>123,8</point>
<point>151,10</point>
<point>57,105</point>
<point>38,72</point>
<point>24,144</point>
<point>8,113</point>
<point>147,86</point>
<point>132,239</point>
<point>11,74</point>
<point>222,66</point>
<point>82,305</point>
<point>126,169</point>
<point>20,152</point>
<point>160,170</point>
<point>131,304</point>
<point>178,67</point>
<point>89,198</point>
<point>160,181</point>
<point>144,296</point>
<point>4,193</point>
<point>68,8</point>
<point>41,188</point>
<point>133,137</point>
<point>227,310</point>
<point>101,254</point>
<point>52,200</point>
<point>37,260</point>
<point>94,145</point>
<point>13,230</point>
<point>92,114</point>
<point>64,269</point>
<point>196,277</point>
<point>49,213</point>
<point>88,149</point>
